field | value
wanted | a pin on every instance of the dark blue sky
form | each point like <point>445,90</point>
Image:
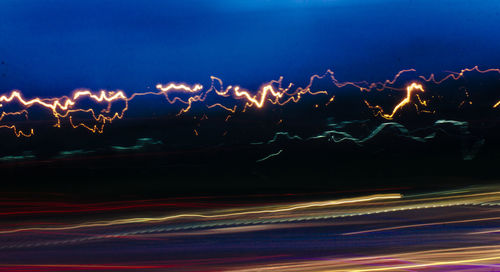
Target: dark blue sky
<point>52,47</point>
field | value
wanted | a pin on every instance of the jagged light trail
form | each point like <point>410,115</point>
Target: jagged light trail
<point>101,107</point>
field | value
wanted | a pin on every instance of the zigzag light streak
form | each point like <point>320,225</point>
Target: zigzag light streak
<point>66,106</point>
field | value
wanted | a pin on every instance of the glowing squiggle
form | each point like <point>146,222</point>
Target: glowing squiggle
<point>338,136</point>
<point>270,156</point>
<point>413,87</point>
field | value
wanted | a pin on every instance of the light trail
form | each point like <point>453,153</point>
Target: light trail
<point>458,75</point>
<point>222,215</point>
<point>270,156</point>
<point>299,237</point>
<point>409,90</point>
<point>234,96</point>
<point>423,225</point>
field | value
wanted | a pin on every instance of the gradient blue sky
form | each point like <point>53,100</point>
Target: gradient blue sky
<point>51,47</point>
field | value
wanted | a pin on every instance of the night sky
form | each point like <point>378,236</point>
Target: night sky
<point>53,47</point>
